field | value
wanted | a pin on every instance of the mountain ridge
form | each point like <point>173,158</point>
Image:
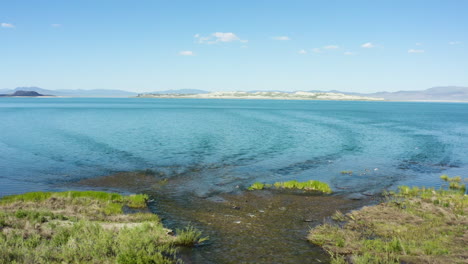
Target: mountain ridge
<point>437,93</point>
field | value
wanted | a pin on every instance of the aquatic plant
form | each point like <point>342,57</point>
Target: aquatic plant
<point>85,227</point>
<point>256,186</point>
<point>454,182</point>
<point>414,225</point>
<point>310,185</point>
<point>444,177</point>
<point>347,172</point>
<point>189,236</point>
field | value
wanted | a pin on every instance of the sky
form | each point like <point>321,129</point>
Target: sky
<point>153,45</point>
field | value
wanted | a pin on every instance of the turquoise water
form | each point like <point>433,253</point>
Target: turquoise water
<point>222,145</point>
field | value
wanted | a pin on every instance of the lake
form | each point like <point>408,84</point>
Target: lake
<point>220,146</point>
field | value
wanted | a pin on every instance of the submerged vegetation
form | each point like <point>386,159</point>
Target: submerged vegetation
<point>311,185</point>
<point>86,227</point>
<point>454,182</point>
<point>414,225</point>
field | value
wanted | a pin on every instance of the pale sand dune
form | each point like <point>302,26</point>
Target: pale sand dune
<point>267,95</point>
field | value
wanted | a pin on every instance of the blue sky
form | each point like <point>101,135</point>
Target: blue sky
<point>361,46</point>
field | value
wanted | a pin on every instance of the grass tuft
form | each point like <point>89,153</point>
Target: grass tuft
<point>189,236</point>
<point>311,185</point>
<point>256,186</point>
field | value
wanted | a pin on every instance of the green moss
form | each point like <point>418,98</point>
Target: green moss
<point>311,185</point>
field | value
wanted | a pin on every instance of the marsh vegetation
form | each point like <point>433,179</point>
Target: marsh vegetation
<point>86,227</point>
<point>413,225</point>
<point>311,185</point>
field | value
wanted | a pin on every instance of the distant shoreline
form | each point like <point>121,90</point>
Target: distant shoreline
<point>237,98</point>
<point>268,96</point>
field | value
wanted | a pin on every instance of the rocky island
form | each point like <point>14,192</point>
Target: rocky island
<point>23,94</point>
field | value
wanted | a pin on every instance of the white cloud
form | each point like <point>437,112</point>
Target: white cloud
<point>367,45</point>
<point>56,25</point>
<point>186,53</point>
<point>302,51</point>
<point>316,50</point>
<point>455,42</point>
<point>349,53</point>
<point>218,37</point>
<point>331,47</point>
<point>419,44</point>
<point>225,37</point>
<point>7,25</point>
<point>415,51</point>
<point>281,38</point>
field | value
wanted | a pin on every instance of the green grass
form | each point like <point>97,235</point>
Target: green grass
<point>256,186</point>
<point>310,185</point>
<point>135,201</point>
<point>414,225</point>
<point>85,227</point>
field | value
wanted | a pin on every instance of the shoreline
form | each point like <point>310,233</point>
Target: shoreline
<point>243,98</point>
<point>271,221</point>
<point>274,220</point>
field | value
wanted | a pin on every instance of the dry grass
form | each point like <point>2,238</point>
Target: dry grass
<point>415,225</point>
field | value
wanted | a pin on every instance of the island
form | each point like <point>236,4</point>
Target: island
<point>22,93</point>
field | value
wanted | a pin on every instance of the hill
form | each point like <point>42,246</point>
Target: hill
<point>23,93</point>
<point>440,93</point>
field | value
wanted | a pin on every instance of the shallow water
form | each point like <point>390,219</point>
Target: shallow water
<point>214,146</point>
<point>263,226</point>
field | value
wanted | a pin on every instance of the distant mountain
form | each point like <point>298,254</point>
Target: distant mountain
<point>441,93</point>
<point>23,93</point>
<point>180,91</point>
<point>95,93</point>
<point>74,93</point>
